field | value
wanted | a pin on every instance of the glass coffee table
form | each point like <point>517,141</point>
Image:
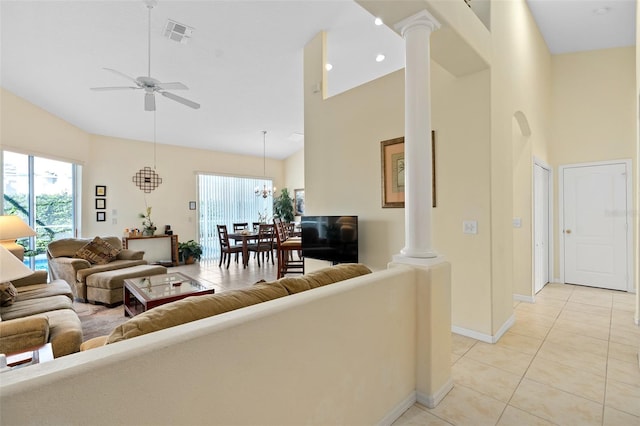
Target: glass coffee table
<point>144,293</point>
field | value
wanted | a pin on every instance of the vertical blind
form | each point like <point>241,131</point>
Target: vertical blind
<point>225,200</point>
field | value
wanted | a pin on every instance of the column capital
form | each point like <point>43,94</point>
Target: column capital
<point>420,19</point>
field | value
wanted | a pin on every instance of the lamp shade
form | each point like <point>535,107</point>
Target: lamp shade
<point>12,228</point>
<point>11,268</point>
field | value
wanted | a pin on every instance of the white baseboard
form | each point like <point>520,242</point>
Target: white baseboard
<point>432,401</point>
<point>523,298</point>
<point>487,338</point>
<point>399,410</point>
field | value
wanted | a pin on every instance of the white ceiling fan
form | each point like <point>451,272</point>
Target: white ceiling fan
<point>150,85</point>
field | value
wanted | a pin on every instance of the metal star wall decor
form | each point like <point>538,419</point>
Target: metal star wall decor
<point>146,179</point>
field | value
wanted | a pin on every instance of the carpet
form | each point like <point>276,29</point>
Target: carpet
<point>98,320</point>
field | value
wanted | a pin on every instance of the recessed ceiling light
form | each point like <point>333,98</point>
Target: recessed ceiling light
<point>380,58</point>
<point>378,21</point>
<point>328,67</point>
<point>602,10</point>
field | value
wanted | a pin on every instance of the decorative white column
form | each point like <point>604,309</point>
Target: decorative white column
<point>416,31</point>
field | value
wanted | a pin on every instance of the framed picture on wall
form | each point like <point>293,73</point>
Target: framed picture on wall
<point>298,202</point>
<point>392,161</point>
<point>101,216</point>
<point>101,191</point>
<point>101,203</point>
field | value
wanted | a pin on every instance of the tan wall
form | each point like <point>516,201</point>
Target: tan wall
<point>25,128</point>
<point>113,162</point>
<point>343,172</point>
<point>177,166</point>
<point>279,362</point>
<point>520,82</point>
<point>294,172</point>
<point>636,244</point>
<point>594,112</point>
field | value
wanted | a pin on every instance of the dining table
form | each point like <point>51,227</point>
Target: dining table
<point>246,236</point>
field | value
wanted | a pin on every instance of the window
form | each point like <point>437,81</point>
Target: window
<point>40,191</point>
<point>225,200</point>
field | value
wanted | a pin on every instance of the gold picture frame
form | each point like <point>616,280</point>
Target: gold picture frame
<point>392,162</point>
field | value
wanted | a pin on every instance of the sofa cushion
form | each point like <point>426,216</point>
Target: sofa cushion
<point>194,308</point>
<point>67,247</point>
<point>8,294</point>
<point>25,308</point>
<point>65,331</point>
<point>22,333</point>
<point>323,277</point>
<point>98,251</point>
<point>39,291</point>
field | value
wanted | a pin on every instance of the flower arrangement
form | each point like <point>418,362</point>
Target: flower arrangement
<point>263,217</point>
<point>148,227</point>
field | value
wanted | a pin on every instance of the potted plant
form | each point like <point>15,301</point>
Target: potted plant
<point>283,206</point>
<point>189,252</point>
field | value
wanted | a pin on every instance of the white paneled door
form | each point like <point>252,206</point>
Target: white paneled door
<point>594,228</point>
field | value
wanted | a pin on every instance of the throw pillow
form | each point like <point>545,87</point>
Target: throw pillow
<point>8,294</point>
<point>98,251</point>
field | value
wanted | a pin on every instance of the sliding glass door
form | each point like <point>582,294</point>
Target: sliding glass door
<point>225,200</point>
<point>42,192</point>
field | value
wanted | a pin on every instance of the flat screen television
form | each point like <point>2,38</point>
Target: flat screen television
<point>330,238</point>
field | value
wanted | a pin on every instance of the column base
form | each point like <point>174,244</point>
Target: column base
<point>419,261</point>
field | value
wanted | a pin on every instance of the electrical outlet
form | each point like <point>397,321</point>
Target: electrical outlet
<point>517,222</point>
<point>470,227</point>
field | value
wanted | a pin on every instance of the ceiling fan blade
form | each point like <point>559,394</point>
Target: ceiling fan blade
<point>113,88</point>
<point>182,100</point>
<point>172,86</point>
<point>123,75</point>
<point>149,102</point>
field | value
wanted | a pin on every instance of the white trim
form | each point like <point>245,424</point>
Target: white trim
<point>487,338</point>
<point>524,298</point>
<point>398,410</point>
<point>630,223</point>
<point>432,401</point>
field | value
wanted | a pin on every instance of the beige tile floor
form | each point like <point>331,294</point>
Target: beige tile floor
<point>570,359</point>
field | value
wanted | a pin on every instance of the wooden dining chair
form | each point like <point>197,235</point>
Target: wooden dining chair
<point>240,226</point>
<point>226,248</point>
<point>264,244</point>
<point>286,246</point>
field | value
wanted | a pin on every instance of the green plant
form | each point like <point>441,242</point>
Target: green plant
<point>190,249</point>
<point>283,206</point>
<point>148,226</point>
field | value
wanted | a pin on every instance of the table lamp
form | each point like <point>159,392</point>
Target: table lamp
<point>11,268</point>
<point>12,228</point>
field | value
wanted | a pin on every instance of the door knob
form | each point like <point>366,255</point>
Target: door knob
<point>567,231</point>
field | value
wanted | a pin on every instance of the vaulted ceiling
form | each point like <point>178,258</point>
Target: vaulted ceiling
<point>243,63</point>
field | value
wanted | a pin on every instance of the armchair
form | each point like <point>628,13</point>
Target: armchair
<point>63,265</point>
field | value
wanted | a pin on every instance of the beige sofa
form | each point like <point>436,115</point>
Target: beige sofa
<point>198,307</point>
<point>63,265</point>
<point>41,313</point>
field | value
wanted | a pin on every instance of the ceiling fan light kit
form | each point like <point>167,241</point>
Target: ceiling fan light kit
<point>151,85</point>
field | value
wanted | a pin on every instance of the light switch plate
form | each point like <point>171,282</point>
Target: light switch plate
<point>517,222</point>
<point>470,227</point>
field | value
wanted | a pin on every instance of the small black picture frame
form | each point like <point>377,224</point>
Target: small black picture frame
<point>101,191</point>
<point>192,205</point>
<point>101,203</point>
<point>101,216</point>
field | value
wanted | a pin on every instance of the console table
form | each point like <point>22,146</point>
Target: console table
<point>157,248</point>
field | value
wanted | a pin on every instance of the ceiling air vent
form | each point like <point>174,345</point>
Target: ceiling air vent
<point>177,32</point>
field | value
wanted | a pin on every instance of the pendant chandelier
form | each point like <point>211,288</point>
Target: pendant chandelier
<point>264,192</point>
